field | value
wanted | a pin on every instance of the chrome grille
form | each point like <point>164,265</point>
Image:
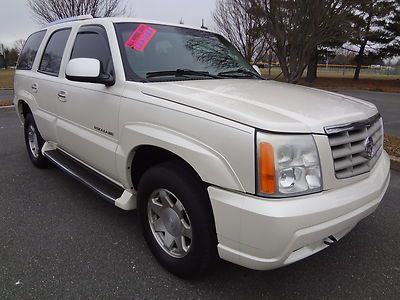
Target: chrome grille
<point>349,144</point>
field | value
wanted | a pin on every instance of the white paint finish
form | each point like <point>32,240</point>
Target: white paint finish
<point>224,158</point>
<point>211,124</point>
<point>87,125</point>
<point>291,223</point>
<point>83,67</point>
<point>127,201</point>
<point>48,146</point>
<point>43,109</point>
<point>268,105</point>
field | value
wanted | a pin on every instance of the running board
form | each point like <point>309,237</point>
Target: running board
<point>100,185</point>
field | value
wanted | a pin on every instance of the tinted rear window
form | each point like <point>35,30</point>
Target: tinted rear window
<point>52,56</point>
<point>29,51</point>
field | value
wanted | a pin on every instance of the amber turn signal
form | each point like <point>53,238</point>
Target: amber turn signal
<point>267,169</point>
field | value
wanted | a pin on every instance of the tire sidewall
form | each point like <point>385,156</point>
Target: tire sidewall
<point>39,161</point>
<point>194,199</point>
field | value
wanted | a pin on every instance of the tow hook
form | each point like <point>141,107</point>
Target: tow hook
<point>330,240</point>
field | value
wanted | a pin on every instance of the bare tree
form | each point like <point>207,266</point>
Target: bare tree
<point>298,27</point>
<point>241,28</point>
<point>45,11</point>
<point>19,44</point>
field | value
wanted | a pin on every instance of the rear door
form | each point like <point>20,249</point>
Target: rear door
<point>87,124</point>
<point>45,83</point>
<point>27,87</point>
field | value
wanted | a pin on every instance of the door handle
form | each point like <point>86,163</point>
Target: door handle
<point>34,87</point>
<point>62,96</point>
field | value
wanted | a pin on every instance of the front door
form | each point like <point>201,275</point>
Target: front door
<point>87,124</point>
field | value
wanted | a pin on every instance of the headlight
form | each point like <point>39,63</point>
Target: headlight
<point>287,165</point>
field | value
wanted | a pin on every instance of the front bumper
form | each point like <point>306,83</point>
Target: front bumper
<point>262,234</point>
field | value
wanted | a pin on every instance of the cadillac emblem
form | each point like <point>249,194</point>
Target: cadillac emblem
<point>369,149</point>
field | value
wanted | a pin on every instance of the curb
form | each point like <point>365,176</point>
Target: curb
<point>395,163</point>
<point>7,108</point>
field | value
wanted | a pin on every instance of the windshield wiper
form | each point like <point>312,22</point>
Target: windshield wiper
<point>239,73</point>
<point>179,73</point>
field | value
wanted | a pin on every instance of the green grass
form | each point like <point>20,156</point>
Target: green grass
<point>6,79</point>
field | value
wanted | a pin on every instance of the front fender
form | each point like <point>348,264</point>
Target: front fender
<point>210,165</point>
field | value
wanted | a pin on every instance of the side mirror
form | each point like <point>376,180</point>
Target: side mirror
<point>87,70</point>
<point>255,67</point>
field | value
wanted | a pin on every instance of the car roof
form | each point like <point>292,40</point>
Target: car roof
<point>87,20</point>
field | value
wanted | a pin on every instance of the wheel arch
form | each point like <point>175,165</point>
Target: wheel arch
<point>156,144</point>
<point>143,157</point>
<point>23,109</point>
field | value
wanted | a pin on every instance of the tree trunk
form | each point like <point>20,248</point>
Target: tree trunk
<point>283,65</point>
<point>5,56</point>
<point>360,56</point>
<point>359,61</point>
<point>312,67</point>
<point>270,63</point>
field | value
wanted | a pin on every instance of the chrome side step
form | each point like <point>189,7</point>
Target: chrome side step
<point>100,185</point>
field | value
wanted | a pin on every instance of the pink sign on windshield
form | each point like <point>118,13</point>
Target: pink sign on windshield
<point>141,37</point>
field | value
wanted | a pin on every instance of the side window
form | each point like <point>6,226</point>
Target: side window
<point>92,42</point>
<point>30,50</point>
<point>52,56</point>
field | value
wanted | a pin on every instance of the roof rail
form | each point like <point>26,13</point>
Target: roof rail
<point>71,19</point>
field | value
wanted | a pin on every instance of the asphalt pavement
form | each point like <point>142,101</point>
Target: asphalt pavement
<point>6,94</point>
<point>60,240</point>
<point>388,105</point>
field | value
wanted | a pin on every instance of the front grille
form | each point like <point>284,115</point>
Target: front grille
<point>349,144</point>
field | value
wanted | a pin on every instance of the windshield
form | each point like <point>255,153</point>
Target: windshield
<point>153,52</point>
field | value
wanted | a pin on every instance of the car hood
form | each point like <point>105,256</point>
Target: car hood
<point>268,105</point>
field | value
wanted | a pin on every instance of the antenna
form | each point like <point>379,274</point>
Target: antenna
<point>202,25</point>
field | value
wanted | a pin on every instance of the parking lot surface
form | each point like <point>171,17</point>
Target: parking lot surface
<point>6,94</point>
<point>388,105</point>
<point>60,240</point>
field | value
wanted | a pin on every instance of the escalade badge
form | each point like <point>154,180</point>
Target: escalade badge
<point>369,150</point>
<point>104,130</point>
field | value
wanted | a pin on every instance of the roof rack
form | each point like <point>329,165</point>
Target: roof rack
<point>71,19</point>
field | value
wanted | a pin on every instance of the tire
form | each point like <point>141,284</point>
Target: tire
<point>34,143</point>
<point>197,253</point>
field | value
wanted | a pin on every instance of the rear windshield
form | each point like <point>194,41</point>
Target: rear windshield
<point>30,50</point>
<point>147,48</point>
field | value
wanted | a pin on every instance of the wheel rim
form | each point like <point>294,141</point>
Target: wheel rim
<point>33,141</point>
<point>169,223</point>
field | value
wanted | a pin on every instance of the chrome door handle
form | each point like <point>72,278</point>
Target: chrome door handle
<point>34,87</point>
<point>62,96</point>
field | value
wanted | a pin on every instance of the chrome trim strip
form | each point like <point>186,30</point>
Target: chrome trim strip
<point>352,126</point>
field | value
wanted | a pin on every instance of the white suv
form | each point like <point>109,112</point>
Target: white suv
<point>172,120</point>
